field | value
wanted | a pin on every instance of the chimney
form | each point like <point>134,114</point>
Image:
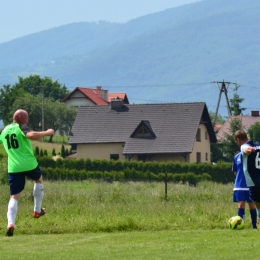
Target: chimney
<point>255,113</point>
<point>104,94</point>
<point>117,104</point>
<point>99,87</point>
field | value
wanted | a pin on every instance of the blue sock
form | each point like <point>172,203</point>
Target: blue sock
<point>253,218</point>
<point>241,213</point>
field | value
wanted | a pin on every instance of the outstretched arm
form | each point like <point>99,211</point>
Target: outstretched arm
<point>38,135</point>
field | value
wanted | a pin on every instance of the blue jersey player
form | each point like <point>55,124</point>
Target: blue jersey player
<point>251,165</point>
<point>241,191</point>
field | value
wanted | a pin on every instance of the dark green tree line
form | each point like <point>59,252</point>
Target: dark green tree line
<point>41,98</point>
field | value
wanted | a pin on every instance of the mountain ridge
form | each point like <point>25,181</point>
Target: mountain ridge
<point>169,56</point>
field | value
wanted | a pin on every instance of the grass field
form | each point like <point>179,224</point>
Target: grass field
<point>184,245</point>
<point>99,220</point>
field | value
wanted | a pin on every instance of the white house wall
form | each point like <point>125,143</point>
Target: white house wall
<point>78,99</point>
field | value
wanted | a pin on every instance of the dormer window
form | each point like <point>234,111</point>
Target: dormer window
<point>143,130</point>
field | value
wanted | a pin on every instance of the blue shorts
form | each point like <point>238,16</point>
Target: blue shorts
<point>254,193</point>
<point>241,195</point>
<point>17,180</point>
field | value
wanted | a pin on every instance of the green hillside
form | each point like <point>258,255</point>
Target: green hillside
<point>169,56</point>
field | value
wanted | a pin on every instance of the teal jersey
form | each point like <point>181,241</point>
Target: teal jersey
<point>18,148</point>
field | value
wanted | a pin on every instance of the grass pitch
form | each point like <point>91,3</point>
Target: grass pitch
<point>132,220</point>
<point>193,244</point>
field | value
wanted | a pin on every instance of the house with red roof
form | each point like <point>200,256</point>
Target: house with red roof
<point>246,120</point>
<point>92,96</point>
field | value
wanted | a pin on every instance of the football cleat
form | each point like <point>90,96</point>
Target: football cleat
<point>10,230</point>
<point>37,214</point>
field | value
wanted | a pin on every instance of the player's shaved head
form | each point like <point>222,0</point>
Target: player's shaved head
<point>20,116</point>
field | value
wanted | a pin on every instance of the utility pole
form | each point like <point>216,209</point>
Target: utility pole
<point>223,86</point>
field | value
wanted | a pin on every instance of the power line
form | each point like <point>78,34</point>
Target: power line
<point>195,84</point>
<point>143,86</point>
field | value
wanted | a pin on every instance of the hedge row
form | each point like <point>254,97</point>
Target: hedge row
<point>128,175</point>
<point>81,169</point>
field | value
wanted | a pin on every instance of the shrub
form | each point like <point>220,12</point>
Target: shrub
<point>53,152</point>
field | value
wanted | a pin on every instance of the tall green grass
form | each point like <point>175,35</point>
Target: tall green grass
<point>92,206</point>
<point>131,220</point>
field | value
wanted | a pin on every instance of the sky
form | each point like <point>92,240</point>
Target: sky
<point>22,17</point>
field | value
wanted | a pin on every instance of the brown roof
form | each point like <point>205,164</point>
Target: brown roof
<point>247,121</point>
<point>174,126</point>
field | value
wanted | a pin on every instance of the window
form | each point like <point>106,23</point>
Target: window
<point>143,132</point>
<point>114,156</point>
<point>206,156</point>
<point>198,157</point>
<point>198,139</point>
<point>206,135</point>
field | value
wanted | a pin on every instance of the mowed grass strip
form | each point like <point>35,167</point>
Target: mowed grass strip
<point>189,244</point>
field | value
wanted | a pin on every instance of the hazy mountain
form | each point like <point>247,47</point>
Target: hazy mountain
<point>169,56</point>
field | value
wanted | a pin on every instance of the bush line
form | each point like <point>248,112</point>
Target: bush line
<point>110,170</point>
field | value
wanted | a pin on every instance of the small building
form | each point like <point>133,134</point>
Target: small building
<point>246,120</point>
<point>148,132</point>
<point>88,96</point>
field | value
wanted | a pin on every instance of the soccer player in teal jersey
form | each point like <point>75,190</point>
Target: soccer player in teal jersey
<point>22,163</point>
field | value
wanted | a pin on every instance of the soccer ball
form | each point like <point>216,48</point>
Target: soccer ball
<point>236,222</point>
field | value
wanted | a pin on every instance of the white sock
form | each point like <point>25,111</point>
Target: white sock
<point>38,196</point>
<point>12,211</point>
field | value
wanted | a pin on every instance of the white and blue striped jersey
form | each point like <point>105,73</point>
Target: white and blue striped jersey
<point>251,164</point>
<point>240,181</point>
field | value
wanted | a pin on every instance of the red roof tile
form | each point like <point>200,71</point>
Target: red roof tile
<point>94,94</point>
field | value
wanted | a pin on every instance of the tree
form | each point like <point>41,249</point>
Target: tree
<point>53,152</point>
<point>36,85</point>
<point>56,114</point>
<point>230,148</point>
<point>235,102</point>
<point>60,117</point>
<point>219,118</point>
<point>7,98</point>
<point>254,132</point>
<point>62,153</point>
<point>41,153</point>
<point>33,85</point>
<point>216,152</point>
<point>33,105</point>
<point>37,151</point>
